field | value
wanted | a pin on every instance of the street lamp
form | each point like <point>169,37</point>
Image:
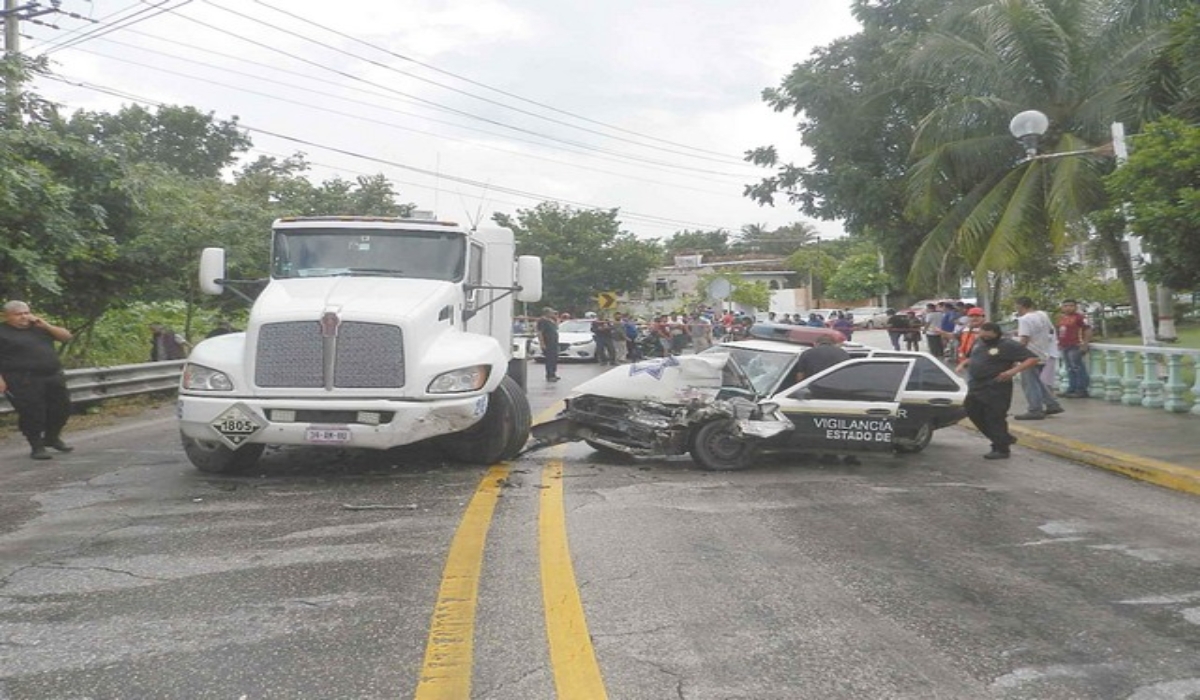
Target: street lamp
<point>1028,127</point>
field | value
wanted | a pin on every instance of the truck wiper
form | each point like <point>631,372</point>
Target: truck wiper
<point>380,271</point>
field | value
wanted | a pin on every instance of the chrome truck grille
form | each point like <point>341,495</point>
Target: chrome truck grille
<point>360,356</point>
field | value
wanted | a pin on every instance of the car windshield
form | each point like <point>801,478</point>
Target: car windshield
<point>764,369</point>
<point>578,325</point>
<point>337,252</point>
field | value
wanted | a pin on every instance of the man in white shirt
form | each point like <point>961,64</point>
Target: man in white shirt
<point>1036,331</point>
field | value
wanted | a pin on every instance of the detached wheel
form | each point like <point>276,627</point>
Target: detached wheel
<point>212,457</point>
<point>913,443</point>
<point>719,446</point>
<point>500,434</point>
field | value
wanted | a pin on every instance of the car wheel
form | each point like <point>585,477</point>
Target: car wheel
<point>212,457</point>
<point>914,442</point>
<point>499,435</point>
<point>719,446</point>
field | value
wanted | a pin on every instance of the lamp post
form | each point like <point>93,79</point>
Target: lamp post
<point>1028,127</point>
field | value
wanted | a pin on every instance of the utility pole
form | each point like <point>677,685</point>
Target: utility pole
<point>12,51</point>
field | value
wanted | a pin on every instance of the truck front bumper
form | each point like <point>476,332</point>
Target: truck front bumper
<point>228,420</point>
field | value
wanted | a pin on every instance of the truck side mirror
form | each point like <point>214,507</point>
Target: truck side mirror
<point>212,269</point>
<point>529,278</point>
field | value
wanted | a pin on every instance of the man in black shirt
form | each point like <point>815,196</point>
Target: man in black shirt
<point>32,379</point>
<point>991,366</point>
<point>821,357</point>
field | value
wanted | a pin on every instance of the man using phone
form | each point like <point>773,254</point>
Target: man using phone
<point>31,377</point>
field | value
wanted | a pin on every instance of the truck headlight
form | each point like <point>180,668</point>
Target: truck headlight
<point>460,380</point>
<point>201,378</point>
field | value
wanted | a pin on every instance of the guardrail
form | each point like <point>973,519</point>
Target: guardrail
<point>96,383</point>
<point>1146,376</point>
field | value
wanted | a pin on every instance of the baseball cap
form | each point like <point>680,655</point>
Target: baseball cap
<point>975,311</point>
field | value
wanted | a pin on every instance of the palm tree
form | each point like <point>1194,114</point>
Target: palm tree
<point>1071,59</point>
<point>784,240</point>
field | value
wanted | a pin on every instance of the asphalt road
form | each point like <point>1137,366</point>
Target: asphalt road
<point>124,573</point>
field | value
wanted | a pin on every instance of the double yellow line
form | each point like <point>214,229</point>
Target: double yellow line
<point>449,651</point>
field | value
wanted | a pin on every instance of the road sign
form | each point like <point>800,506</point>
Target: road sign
<point>719,289</point>
<point>606,300</point>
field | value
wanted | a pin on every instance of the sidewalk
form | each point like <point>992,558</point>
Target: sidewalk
<point>1149,444</point>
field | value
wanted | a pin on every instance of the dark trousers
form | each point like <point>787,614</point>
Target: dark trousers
<point>41,401</point>
<point>987,408</point>
<point>937,345</point>
<point>606,353</point>
<point>551,356</point>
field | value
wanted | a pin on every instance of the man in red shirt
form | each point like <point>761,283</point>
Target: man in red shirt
<point>1074,337</point>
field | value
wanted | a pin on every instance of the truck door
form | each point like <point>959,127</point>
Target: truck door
<point>852,406</point>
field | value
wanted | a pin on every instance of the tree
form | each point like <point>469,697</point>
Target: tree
<point>858,277</point>
<point>699,241</point>
<point>584,252</point>
<point>858,113</point>
<point>785,240</point>
<point>1161,185</point>
<point>182,138</point>
<point>1067,58</point>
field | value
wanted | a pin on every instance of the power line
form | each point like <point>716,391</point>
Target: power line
<point>65,35</point>
<point>620,157</point>
<point>129,21</point>
<point>402,166</point>
<point>724,157</point>
<point>430,103</point>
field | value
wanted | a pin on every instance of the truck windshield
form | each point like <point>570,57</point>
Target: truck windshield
<point>326,252</point>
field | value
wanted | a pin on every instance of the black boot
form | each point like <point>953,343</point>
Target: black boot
<point>39,449</point>
<point>56,443</point>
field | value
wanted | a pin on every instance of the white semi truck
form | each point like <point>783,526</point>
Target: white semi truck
<point>370,333</point>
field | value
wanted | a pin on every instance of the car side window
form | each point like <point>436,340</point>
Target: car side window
<point>927,375</point>
<point>867,381</point>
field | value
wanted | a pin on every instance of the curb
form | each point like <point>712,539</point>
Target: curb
<point>1154,471</point>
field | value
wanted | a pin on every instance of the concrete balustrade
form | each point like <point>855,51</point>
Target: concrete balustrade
<point>1147,377</point>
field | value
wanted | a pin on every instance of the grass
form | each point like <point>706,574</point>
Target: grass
<point>1189,337</point>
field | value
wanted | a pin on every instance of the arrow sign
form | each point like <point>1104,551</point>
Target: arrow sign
<point>606,300</point>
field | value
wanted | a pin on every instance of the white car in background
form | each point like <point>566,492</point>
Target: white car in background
<point>870,317</point>
<point>575,342</point>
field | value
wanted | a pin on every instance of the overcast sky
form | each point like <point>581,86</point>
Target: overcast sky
<point>672,89</point>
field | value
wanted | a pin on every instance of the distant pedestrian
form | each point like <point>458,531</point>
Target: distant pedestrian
<point>602,334</point>
<point>1074,340</point>
<point>990,368</point>
<point>1036,331</point>
<point>898,326</point>
<point>700,328</point>
<point>912,339</point>
<point>166,344</point>
<point>933,330</point>
<point>844,323</point>
<point>31,377</point>
<point>547,332</point>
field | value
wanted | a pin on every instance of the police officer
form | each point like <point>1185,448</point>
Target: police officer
<point>32,379</point>
<point>991,366</point>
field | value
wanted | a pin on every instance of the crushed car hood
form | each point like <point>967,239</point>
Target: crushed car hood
<point>669,380</point>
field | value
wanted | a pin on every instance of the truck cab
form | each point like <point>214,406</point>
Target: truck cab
<point>371,332</point>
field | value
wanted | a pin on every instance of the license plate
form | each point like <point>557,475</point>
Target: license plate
<point>327,435</point>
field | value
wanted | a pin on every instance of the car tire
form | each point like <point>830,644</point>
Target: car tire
<point>212,457</point>
<point>719,446</point>
<point>499,435</point>
<point>914,442</point>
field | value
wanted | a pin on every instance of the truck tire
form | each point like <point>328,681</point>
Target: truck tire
<point>212,457</point>
<point>501,433</point>
<point>719,446</point>
<point>518,369</point>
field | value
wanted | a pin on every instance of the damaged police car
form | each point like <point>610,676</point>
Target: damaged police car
<point>726,405</point>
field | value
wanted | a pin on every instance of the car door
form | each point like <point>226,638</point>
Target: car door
<point>852,406</point>
<point>933,394</point>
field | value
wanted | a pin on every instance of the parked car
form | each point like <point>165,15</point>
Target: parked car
<point>736,399</point>
<point>575,342</point>
<point>870,317</point>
